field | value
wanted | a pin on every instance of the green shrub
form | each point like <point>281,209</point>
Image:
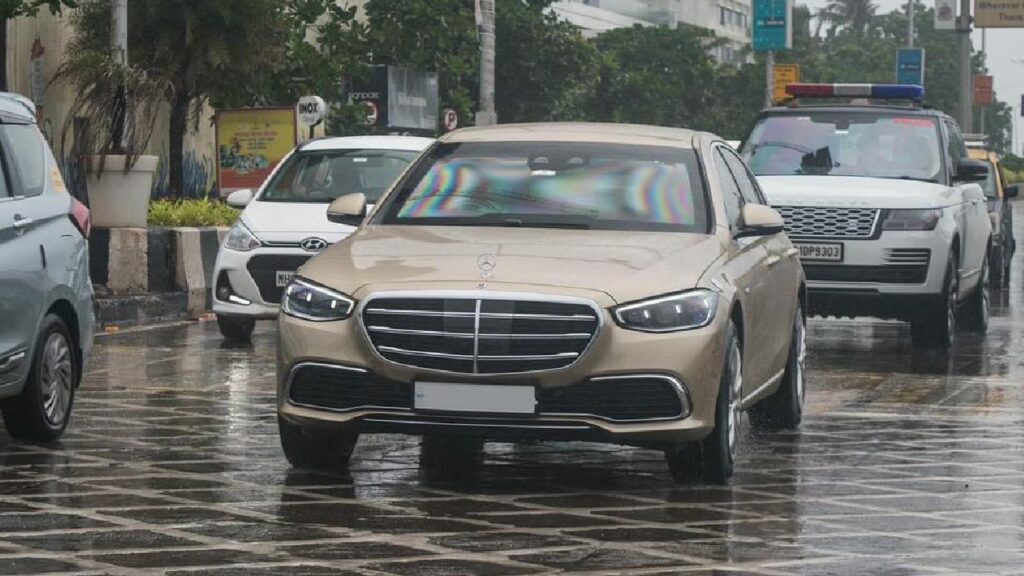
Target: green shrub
<point>191,213</point>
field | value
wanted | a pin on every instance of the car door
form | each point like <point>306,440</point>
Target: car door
<point>21,272</point>
<point>746,271</point>
<point>975,225</point>
<point>781,270</point>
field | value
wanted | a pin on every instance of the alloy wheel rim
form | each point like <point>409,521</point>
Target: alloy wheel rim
<point>801,343</point>
<point>986,300</point>
<point>735,394</point>
<point>954,286</point>
<point>56,378</point>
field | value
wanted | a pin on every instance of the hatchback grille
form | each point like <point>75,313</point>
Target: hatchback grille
<point>264,269</point>
<point>814,222</point>
<point>480,336</point>
<point>908,256</point>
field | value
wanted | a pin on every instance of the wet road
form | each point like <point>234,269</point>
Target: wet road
<point>908,462</point>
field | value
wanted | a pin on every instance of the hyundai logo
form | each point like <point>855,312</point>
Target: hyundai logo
<point>313,244</point>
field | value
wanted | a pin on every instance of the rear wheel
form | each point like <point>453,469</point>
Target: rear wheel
<point>714,457</point>
<point>316,449</point>
<point>979,305</point>
<point>784,409</point>
<point>935,324</point>
<point>42,410</point>
<point>997,266</point>
<point>235,328</point>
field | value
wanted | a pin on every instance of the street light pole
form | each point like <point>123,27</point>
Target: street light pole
<point>487,114</point>
<point>966,74</point>
<point>910,23</point>
<point>119,30</point>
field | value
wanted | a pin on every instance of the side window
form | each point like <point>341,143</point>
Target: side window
<point>4,192</point>
<point>748,186</point>
<point>957,148</point>
<point>730,190</point>
<point>25,149</point>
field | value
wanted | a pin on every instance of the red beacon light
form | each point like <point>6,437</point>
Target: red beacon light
<point>877,91</point>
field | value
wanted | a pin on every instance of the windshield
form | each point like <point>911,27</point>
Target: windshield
<point>553,184</point>
<point>846,144</point>
<point>325,175</point>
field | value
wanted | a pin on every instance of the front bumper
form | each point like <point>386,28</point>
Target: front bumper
<point>691,358</point>
<point>262,295</point>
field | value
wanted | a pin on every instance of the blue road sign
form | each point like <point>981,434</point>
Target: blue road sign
<point>910,66</point>
<point>773,25</point>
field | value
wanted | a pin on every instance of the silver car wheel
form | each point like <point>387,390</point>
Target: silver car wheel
<point>735,397</point>
<point>56,378</point>
<point>801,351</point>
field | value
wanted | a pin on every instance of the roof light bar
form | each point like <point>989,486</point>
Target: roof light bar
<point>879,91</point>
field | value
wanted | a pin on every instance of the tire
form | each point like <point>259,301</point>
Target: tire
<point>784,409</point>
<point>42,411</point>
<point>935,324</point>
<point>450,457</point>
<point>716,454</point>
<point>978,307</point>
<point>997,268</point>
<point>235,328</point>
<point>329,451</point>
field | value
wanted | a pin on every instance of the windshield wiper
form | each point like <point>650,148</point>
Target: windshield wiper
<point>520,223</point>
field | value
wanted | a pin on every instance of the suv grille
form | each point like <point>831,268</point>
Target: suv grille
<point>479,336</point>
<point>264,269</point>
<point>813,222</point>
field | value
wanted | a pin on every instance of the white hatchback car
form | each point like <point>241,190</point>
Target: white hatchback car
<point>285,223</point>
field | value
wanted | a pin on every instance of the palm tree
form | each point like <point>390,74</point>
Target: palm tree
<point>857,15</point>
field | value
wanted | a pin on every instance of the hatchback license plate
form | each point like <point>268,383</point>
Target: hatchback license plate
<point>284,278</point>
<point>483,398</point>
<point>821,252</point>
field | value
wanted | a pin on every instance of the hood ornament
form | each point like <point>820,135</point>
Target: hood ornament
<point>486,264</point>
<point>313,244</point>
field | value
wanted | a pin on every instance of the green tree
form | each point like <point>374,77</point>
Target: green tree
<point>207,50</point>
<point>854,15</point>
<point>10,9</point>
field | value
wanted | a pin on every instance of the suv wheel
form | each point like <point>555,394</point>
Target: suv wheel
<point>979,306</point>
<point>316,449</point>
<point>42,410</point>
<point>235,328</point>
<point>716,454</point>
<point>996,267</point>
<point>784,409</point>
<point>935,324</point>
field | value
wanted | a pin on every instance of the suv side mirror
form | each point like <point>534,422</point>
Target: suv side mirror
<point>349,209</point>
<point>1012,191</point>
<point>240,198</point>
<point>968,170</point>
<point>760,220</point>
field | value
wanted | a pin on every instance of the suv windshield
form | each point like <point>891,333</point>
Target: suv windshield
<point>553,184</point>
<point>325,175</point>
<point>846,144</point>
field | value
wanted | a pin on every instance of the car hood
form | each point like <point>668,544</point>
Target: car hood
<point>609,266</point>
<point>292,222</point>
<point>855,192</point>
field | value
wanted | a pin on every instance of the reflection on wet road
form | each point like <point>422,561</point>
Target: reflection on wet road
<point>909,462</point>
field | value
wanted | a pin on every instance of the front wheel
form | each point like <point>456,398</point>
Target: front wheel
<point>997,267</point>
<point>42,410</point>
<point>235,328</point>
<point>785,408</point>
<point>316,449</point>
<point>978,306</point>
<point>935,323</point>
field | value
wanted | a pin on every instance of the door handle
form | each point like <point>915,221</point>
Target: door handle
<point>22,223</point>
<point>772,261</point>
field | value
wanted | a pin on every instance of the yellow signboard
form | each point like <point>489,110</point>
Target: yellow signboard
<point>785,74</point>
<point>999,13</point>
<point>250,143</point>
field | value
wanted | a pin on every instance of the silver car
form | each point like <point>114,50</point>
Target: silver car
<point>46,297</point>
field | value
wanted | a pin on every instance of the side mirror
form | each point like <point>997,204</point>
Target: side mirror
<point>240,198</point>
<point>760,220</point>
<point>1012,191</point>
<point>349,209</point>
<point>971,170</point>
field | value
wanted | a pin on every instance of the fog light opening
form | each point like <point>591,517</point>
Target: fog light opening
<point>225,292</point>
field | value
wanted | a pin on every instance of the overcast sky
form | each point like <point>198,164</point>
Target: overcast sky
<point>1004,45</point>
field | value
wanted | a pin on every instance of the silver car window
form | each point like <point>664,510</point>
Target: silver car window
<point>25,147</point>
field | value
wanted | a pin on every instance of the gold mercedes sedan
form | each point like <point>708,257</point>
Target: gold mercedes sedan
<point>597,282</point>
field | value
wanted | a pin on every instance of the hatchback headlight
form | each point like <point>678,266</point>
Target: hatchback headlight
<point>671,313</point>
<point>309,301</point>
<point>908,220</point>
<point>240,238</point>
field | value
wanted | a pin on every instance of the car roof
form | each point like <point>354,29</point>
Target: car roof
<point>636,134</point>
<point>409,143</point>
<point>17,108</point>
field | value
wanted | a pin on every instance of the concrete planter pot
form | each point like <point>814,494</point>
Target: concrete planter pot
<point>119,199</point>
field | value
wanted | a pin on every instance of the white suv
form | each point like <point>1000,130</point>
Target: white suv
<point>285,223</point>
<point>884,205</point>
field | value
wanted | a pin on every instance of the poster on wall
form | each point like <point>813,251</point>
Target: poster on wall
<point>250,143</point>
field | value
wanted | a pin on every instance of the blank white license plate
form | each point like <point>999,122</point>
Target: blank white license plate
<point>284,278</point>
<point>821,252</point>
<point>475,398</point>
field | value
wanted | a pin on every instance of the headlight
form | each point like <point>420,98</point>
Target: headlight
<point>912,219</point>
<point>672,313</point>
<point>240,238</point>
<point>309,301</point>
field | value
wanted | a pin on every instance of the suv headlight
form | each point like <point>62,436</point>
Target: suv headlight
<point>309,301</point>
<point>912,220</point>
<point>672,313</point>
<point>240,238</point>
